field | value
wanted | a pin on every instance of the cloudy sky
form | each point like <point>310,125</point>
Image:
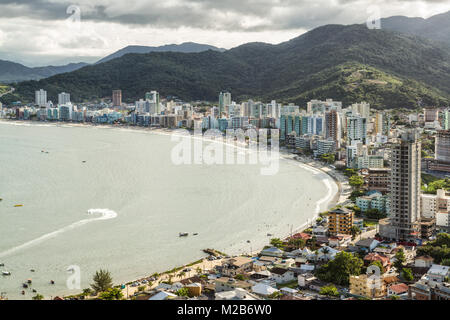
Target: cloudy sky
<point>40,32</point>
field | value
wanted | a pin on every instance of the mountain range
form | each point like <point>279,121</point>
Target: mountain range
<point>15,72</point>
<point>435,28</point>
<point>186,47</point>
<point>387,68</point>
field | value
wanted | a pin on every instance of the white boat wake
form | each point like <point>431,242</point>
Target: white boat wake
<point>105,214</point>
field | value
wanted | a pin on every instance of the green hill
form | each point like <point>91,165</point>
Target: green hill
<point>350,63</point>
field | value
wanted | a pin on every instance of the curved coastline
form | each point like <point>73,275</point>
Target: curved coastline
<point>329,200</point>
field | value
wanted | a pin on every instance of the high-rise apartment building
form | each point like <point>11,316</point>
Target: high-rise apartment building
<point>332,127</point>
<point>405,158</point>
<point>117,98</point>
<point>356,130</point>
<point>63,98</point>
<point>224,100</point>
<point>340,221</point>
<point>362,109</point>
<point>41,98</point>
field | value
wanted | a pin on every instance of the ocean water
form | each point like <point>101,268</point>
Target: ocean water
<point>123,208</point>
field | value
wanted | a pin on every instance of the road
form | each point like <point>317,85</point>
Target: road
<point>8,92</point>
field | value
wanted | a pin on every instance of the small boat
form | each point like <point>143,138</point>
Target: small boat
<point>183,234</point>
<point>84,161</point>
<point>25,285</point>
<point>248,241</point>
<point>52,282</point>
<point>29,281</point>
<point>269,234</point>
<point>6,273</point>
<point>32,270</point>
<point>18,205</point>
<point>34,290</point>
<point>2,264</point>
<point>195,234</point>
<point>23,292</point>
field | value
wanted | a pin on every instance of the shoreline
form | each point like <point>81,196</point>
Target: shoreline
<point>317,167</point>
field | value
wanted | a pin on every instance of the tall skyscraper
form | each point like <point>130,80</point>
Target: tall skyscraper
<point>41,98</point>
<point>363,109</point>
<point>224,100</point>
<point>356,130</point>
<point>153,98</point>
<point>442,146</point>
<point>332,127</point>
<point>405,188</point>
<point>117,98</point>
<point>378,123</point>
<point>63,98</point>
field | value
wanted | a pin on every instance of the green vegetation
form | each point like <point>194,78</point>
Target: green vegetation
<point>239,277</point>
<point>38,297</point>
<point>399,259</point>
<point>111,294</point>
<point>102,281</point>
<point>439,249</point>
<point>375,214</point>
<point>183,292</point>
<point>328,158</point>
<point>276,242</point>
<point>348,63</point>
<point>338,271</point>
<point>433,186</point>
<point>331,291</point>
<point>407,274</point>
<point>356,181</point>
<point>379,265</point>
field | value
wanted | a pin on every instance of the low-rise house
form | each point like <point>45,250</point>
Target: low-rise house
<point>282,275</point>
<point>372,257</point>
<point>305,279</point>
<point>228,284</point>
<point>235,294</point>
<point>272,252</point>
<point>288,291</point>
<point>263,290</point>
<point>339,240</point>
<point>367,245</point>
<point>265,274</point>
<point>235,266</point>
<point>423,262</point>
<point>438,273</point>
<point>398,289</point>
<point>325,253</point>
<point>163,295</point>
<point>429,290</point>
<point>268,261</point>
<point>195,289</point>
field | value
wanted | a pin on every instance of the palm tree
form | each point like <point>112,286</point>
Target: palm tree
<point>102,281</point>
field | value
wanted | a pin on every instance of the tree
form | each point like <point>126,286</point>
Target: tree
<point>102,281</point>
<point>355,231</point>
<point>339,270</point>
<point>182,292</point>
<point>275,295</point>
<point>356,181</point>
<point>446,262</point>
<point>328,158</point>
<point>111,294</point>
<point>375,214</point>
<point>38,297</point>
<point>239,277</point>
<point>87,292</point>
<point>407,274</point>
<point>276,242</point>
<point>331,291</point>
<point>297,243</point>
<point>399,259</point>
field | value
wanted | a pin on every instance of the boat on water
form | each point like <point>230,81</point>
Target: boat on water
<point>29,281</point>
<point>183,234</point>
<point>2,264</point>
<point>6,273</point>
<point>195,234</point>
<point>18,205</point>
<point>25,285</point>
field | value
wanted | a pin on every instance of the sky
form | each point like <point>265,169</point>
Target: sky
<point>43,32</point>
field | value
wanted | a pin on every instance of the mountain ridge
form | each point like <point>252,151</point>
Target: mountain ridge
<point>286,72</point>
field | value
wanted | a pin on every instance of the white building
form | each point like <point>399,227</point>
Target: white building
<point>41,98</point>
<point>63,98</point>
<point>437,206</point>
